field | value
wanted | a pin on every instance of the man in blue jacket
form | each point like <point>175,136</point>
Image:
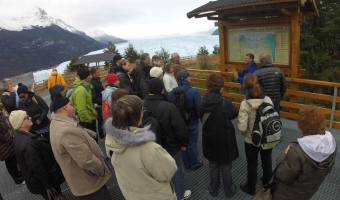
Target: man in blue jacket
<point>251,68</point>
<point>190,155</point>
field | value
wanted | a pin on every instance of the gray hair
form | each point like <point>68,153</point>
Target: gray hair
<point>265,59</point>
<point>143,57</point>
<point>173,55</point>
<point>5,80</point>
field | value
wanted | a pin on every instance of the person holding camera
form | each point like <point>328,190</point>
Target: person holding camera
<point>36,108</point>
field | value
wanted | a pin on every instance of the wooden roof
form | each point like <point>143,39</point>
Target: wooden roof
<point>95,58</point>
<point>241,8</point>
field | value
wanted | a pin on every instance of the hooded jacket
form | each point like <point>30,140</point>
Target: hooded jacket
<point>82,100</point>
<point>305,167</point>
<point>55,78</point>
<point>247,115</point>
<point>125,80</point>
<point>37,109</point>
<point>272,82</point>
<point>106,94</point>
<point>172,124</point>
<point>218,133</point>
<point>6,137</point>
<point>193,97</point>
<point>78,155</point>
<point>143,168</point>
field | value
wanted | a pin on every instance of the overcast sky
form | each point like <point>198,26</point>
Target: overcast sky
<point>129,19</point>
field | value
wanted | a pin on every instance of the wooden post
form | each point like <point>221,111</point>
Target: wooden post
<point>223,52</point>
<point>295,53</point>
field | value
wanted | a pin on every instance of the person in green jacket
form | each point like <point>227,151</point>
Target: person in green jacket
<point>82,100</point>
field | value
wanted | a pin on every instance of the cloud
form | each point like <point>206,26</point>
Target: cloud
<point>121,18</point>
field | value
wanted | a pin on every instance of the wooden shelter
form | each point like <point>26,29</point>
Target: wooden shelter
<point>259,26</point>
<point>266,22</point>
<point>96,58</point>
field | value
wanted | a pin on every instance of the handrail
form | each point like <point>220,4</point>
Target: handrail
<point>296,93</point>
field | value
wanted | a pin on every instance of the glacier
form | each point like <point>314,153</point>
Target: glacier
<point>183,45</point>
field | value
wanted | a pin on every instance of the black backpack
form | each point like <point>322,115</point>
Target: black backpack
<point>151,118</point>
<point>267,127</point>
<point>179,98</point>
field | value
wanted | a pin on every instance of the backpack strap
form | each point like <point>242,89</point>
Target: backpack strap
<point>205,117</point>
<point>186,88</point>
<point>160,109</point>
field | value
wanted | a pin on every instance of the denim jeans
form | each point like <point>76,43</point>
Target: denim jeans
<point>178,178</point>
<point>190,155</point>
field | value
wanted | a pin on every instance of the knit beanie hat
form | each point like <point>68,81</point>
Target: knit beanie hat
<point>83,73</point>
<point>155,86</point>
<point>111,78</point>
<point>59,101</point>
<point>22,89</point>
<point>156,72</point>
<point>116,57</point>
<point>16,118</point>
<point>56,89</point>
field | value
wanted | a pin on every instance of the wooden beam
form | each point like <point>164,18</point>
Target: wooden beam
<point>257,22</point>
<point>206,14</point>
<point>285,11</point>
<point>258,8</point>
<point>216,18</point>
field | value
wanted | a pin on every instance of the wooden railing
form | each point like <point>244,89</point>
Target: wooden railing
<point>292,106</point>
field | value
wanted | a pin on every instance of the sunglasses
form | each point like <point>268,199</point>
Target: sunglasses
<point>21,97</point>
<point>27,117</point>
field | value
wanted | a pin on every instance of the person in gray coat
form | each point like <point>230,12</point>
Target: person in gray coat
<point>305,164</point>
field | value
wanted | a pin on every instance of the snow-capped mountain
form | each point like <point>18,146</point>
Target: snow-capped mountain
<point>36,40</point>
<point>104,38</point>
<point>33,18</point>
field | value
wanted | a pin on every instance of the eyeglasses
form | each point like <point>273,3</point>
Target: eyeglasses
<point>143,109</point>
<point>21,97</point>
<point>27,117</point>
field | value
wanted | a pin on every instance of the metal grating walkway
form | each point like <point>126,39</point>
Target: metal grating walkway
<point>197,181</point>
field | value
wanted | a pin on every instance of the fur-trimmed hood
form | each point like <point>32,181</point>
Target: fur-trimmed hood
<point>119,140</point>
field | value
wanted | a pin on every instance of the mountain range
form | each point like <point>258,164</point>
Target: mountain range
<point>36,41</point>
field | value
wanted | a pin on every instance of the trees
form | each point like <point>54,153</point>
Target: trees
<point>111,48</point>
<point>203,51</point>
<point>131,54</point>
<point>216,49</point>
<point>70,67</point>
<point>320,40</point>
<point>163,54</point>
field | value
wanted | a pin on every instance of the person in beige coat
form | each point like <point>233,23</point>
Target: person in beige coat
<point>143,168</point>
<point>246,120</point>
<point>78,155</point>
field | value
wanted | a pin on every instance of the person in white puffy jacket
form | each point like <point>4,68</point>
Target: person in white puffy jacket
<point>169,79</point>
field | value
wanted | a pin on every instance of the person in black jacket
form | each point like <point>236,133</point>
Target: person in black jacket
<point>97,98</point>
<point>36,108</point>
<point>139,72</point>
<point>35,157</point>
<point>125,79</point>
<point>272,80</point>
<point>114,64</point>
<point>174,133</point>
<point>218,135</point>
<point>9,98</point>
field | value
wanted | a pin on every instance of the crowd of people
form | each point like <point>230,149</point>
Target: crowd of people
<point>149,121</point>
